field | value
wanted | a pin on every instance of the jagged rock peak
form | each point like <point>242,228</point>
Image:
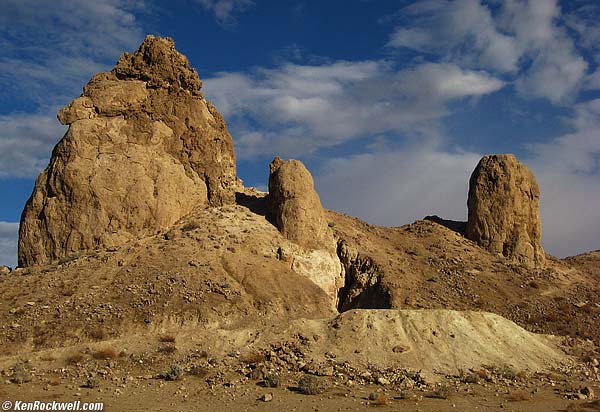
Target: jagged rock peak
<point>503,207</point>
<point>142,150</point>
<point>160,64</point>
<point>295,205</point>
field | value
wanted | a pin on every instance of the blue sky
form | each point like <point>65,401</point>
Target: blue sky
<point>389,103</point>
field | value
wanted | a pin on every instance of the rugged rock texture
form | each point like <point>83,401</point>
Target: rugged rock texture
<point>296,206</point>
<point>143,148</point>
<point>504,210</point>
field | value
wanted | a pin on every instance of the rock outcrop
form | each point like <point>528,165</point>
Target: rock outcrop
<point>504,210</point>
<point>295,205</point>
<point>143,149</point>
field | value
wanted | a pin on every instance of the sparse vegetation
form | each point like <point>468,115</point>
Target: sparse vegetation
<point>97,333</point>
<point>271,381</point>
<point>309,385</point>
<point>167,349</point>
<point>74,358</point>
<point>174,373</point>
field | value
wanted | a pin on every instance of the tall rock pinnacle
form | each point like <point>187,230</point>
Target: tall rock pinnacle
<point>143,149</point>
<point>504,202</point>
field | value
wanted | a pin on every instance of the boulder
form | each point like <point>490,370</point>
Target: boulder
<point>295,205</point>
<point>142,150</point>
<point>503,207</point>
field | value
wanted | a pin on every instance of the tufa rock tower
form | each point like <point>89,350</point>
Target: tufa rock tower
<point>143,149</point>
<point>503,207</point>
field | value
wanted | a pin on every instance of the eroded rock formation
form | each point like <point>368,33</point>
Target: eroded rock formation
<point>296,206</point>
<point>503,207</point>
<point>143,148</point>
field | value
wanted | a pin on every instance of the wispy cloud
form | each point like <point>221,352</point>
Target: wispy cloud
<point>8,243</point>
<point>297,109</point>
<point>225,11</point>
<point>26,141</point>
<point>50,48</point>
<point>525,40</point>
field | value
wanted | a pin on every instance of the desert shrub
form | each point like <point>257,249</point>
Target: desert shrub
<point>508,373</point>
<point>174,373</point>
<point>167,349</point>
<point>20,373</point>
<point>309,385</point>
<point>469,377</point>
<point>97,333</point>
<point>74,358</point>
<point>271,381</point>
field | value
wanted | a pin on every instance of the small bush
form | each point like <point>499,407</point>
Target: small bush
<point>404,394</point>
<point>271,381</point>
<point>309,385</point>
<point>469,377</point>
<point>97,333</point>
<point>74,358</point>
<point>508,373</point>
<point>174,373</point>
<point>167,349</point>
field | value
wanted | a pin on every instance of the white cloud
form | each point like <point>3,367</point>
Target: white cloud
<point>9,233</point>
<point>393,188</point>
<point>524,39</point>
<point>568,170</point>
<point>445,27</point>
<point>225,10</point>
<point>26,141</point>
<point>300,109</point>
<point>50,48</point>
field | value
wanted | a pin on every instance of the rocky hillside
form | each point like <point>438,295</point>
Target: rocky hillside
<point>139,227</point>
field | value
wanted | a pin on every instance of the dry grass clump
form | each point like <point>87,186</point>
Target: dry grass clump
<point>309,385</point>
<point>167,349</point>
<point>97,333</point>
<point>105,353</point>
<point>74,358</point>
